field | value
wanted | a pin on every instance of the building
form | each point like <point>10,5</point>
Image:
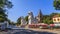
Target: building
<point>56,19</point>
<point>39,17</point>
<point>36,19</point>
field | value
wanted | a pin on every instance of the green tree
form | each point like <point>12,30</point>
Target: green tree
<point>3,16</point>
<point>47,19</point>
<point>5,4</point>
<point>18,21</point>
<point>9,21</point>
<point>12,23</point>
<point>52,14</point>
<point>56,4</point>
<point>26,18</point>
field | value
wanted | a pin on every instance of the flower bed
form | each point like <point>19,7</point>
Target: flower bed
<point>38,25</point>
<point>34,26</point>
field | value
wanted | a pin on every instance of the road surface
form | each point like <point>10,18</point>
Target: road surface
<point>25,31</point>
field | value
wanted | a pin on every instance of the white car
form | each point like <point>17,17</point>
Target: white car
<point>3,25</point>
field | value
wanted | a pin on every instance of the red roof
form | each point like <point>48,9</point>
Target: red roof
<point>55,16</point>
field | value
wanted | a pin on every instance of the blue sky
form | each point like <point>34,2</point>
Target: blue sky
<point>22,7</point>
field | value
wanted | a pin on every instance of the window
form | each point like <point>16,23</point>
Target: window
<point>58,19</point>
<point>54,19</point>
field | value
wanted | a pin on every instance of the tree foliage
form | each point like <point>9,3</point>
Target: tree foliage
<point>26,18</point>
<point>5,4</point>
<point>56,4</point>
<point>51,15</point>
<point>48,18</point>
<point>18,21</point>
<point>3,16</point>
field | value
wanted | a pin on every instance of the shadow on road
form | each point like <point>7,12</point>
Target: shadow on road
<point>24,31</point>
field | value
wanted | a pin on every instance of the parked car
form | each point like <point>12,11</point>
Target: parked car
<point>3,25</point>
<point>9,27</point>
<point>57,25</point>
<point>51,26</point>
<point>54,25</point>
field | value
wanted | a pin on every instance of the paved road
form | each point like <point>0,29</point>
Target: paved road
<point>25,31</point>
